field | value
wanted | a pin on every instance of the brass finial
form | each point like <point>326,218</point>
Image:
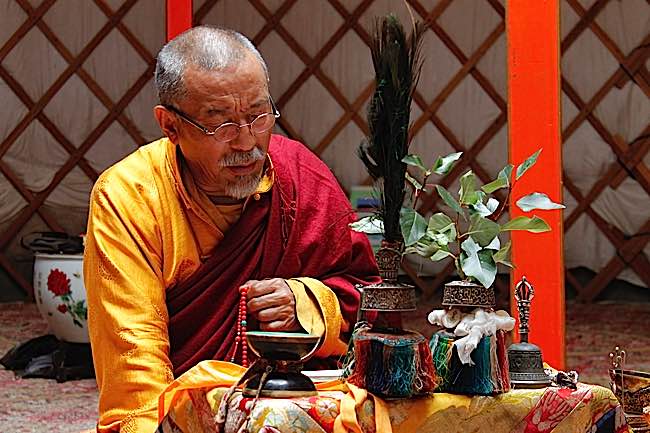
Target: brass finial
<point>524,294</point>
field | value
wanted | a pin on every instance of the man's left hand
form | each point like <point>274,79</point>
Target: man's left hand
<point>272,303</point>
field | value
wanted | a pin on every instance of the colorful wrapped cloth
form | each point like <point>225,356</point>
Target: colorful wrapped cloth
<point>486,375</point>
<point>191,405</point>
<point>393,365</point>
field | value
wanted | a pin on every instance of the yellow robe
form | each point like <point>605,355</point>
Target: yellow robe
<point>150,228</point>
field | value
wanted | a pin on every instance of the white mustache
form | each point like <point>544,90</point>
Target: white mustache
<point>242,158</point>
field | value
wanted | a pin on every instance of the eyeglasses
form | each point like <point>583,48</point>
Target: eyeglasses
<point>229,131</point>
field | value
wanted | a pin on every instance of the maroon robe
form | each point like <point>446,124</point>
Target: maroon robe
<point>298,229</point>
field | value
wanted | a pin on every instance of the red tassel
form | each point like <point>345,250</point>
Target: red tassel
<point>361,353</point>
<point>427,371</point>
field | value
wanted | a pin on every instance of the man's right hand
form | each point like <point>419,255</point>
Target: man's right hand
<point>272,304</point>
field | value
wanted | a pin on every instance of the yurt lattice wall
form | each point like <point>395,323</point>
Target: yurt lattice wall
<point>76,95</point>
<point>76,85</point>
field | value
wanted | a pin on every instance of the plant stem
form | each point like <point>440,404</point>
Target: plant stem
<point>499,210</point>
<point>461,275</point>
<point>418,192</point>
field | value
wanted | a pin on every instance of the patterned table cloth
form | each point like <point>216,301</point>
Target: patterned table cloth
<point>340,407</point>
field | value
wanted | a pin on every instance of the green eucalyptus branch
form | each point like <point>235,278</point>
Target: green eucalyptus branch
<point>477,250</point>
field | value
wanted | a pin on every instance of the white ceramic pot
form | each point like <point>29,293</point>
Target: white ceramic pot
<point>61,296</point>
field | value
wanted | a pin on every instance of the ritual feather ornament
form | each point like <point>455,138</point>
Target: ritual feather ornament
<point>397,62</point>
<point>383,358</point>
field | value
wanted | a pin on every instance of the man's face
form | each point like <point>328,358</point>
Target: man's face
<point>237,95</point>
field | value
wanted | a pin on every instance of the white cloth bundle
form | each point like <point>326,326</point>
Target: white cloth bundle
<point>471,327</point>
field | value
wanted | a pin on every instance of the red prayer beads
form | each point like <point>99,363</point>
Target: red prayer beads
<point>241,329</point>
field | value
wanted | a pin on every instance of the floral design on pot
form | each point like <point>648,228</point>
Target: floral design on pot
<point>59,284</point>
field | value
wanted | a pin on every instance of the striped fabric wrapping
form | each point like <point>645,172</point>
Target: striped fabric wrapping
<point>489,375</point>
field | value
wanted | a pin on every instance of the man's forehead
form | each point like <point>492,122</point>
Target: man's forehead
<point>220,87</point>
<point>226,104</point>
<point>226,99</point>
<point>246,72</point>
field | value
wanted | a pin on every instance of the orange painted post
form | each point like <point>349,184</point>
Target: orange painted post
<point>533,38</point>
<point>179,17</point>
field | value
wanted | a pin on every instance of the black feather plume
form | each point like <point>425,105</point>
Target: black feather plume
<point>397,62</point>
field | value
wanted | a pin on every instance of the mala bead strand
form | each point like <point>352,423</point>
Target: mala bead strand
<point>241,329</point>
<point>242,325</point>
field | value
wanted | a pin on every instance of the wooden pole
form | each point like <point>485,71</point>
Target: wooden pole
<point>179,17</point>
<point>533,37</point>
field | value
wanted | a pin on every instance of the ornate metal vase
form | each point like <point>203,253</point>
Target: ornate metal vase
<point>383,348</point>
<point>525,359</point>
<point>467,294</point>
<point>389,295</point>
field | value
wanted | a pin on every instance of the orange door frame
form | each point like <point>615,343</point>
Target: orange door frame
<point>533,39</point>
<point>179,17</point>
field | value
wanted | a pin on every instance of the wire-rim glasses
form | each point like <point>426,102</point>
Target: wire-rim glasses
<point>230,130</point>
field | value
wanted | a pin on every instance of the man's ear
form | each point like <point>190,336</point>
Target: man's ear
<point>167,122</point>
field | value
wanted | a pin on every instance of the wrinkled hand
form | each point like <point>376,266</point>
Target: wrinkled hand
<point>272,304</point>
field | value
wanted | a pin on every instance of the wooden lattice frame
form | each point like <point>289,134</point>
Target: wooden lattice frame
<point>629,155</point>
<point>35,112</point>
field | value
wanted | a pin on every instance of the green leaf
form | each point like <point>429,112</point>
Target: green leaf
<point>423,249</point>
<point>415,161</point>
<point>502,180</point>
<point>80,310</point>
<point>470,246</point>
<point>441,239</point>
<point>533,225</point>
<point>370,225</point>
<point>444,164</point>
<point>537,200</point>
<point>427,248</point>
<point>441,254</point>
<point>467,192</point>
<point>496,184</point>
<point>445,236</point>
<point>441,229</point>
<point>492,205</point>
<point>503,255</point>
<point>485,210</point>
<point>483,230</point>
<point>477,263</point>
<point>488,266</point>
<point>494,245</point>
<point>528,163</point>
<point>449,200</point>
<point>438,222</point>
<point>413,181</point>
<point>413,225</point>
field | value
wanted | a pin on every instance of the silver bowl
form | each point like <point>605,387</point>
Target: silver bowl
<point>289,346</point>
<point>285,352</point>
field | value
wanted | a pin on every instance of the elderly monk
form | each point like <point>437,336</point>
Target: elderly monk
<point>179,226</point>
